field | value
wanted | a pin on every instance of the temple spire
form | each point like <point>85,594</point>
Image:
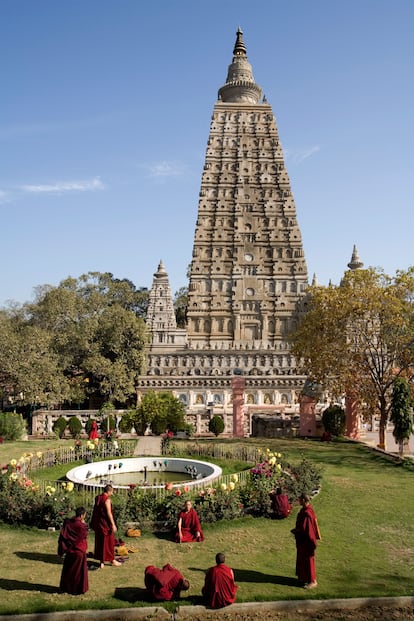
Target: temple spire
<point>355,262</point>
<point>240,86</point>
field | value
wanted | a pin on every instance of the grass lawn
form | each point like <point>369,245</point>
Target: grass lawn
<point>365,511</point>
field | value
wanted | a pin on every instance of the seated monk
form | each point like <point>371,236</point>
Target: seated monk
<point>280,504</point>
<point>188,527</point>
<point>166,583</point>
<point>219,588</point>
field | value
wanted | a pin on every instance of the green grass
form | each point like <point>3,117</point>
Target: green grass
<point>365,511</point>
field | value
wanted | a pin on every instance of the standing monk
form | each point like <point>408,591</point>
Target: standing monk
<point>166,583</point>
<point>188,527</point>
<point>73,545</point>
<point>306,534</point>
<point>103,524</point>
<point>219,588</point>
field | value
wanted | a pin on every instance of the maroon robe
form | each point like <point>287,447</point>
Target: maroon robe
<point>306,534</point>
<point>165,583</point>
<point>219,588</point>
<point>73,544</point>
<point>104,536</point>
<point>93,434</point>
<point>190,525</point>
<point>280,505</point>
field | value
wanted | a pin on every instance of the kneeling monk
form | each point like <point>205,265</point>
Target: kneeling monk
<point>166,583</point>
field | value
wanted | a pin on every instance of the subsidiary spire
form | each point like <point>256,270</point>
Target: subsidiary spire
<point>240,86</point>
<point>355,262</point>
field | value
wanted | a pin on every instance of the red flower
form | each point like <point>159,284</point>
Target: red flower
<point>178,492</point>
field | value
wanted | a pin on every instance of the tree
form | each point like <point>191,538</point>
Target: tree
<point>401,411</point>
<point>180,306</point>
<point>216,425</point>
<point>160,410</point>
<point>333,420</point>
<point>357,337</point>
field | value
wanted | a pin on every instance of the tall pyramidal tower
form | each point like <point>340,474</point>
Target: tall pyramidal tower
<point>248,273</point>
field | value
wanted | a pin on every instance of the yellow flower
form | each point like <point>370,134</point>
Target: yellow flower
<point>278,455</point>
<point>232,485</point>
<point>278,466</point>
<point>234,478</point>
<point>13,463</point>
<point>223,487</point>
<point>69,486</point>
<point>22,459</point>
<point>272,461</point>
<point>39,454</point>
<point>71,448</point>
<point>13,476</point>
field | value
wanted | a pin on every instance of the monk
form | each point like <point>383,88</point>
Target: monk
<point>166,583</point>
<point>73,545</point>
<point>306,534</point>
<point>280,504</point>
<point>188,527</point>
<point>93,434</point>
<point>219,588</point>
<point>103,524</point>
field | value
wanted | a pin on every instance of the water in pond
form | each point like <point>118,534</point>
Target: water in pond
<point>141,478</point>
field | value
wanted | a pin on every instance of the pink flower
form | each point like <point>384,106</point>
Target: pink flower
<point>186,488</point>
<point>168,486</point>
<point>178,492</point>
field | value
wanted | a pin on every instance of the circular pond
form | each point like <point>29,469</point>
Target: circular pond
<point>153,472</point>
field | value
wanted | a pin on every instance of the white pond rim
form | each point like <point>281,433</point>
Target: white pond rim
<point>98,474</point>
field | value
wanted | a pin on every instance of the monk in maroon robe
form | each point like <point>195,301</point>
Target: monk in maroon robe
<point>306,534</point>
<point>93,434</point>
<point>219,588</point>
<point>166,583</point>
<point>73,545</point>
<point>280,504</point>
<point>188,527</point>
<point>103,524</point>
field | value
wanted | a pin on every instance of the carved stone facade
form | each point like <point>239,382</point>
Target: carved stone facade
<point>248,272</point>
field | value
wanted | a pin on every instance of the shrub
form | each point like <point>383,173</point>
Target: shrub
<point>107,425</point>
<point>12,426</point>
<point>59,426</point>
<point>216,425</point>
<point>75,426</point>
<point>334,420</point>
<point>127,422</point>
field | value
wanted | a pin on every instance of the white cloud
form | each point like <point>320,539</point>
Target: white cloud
<point>4,197</point>
<point>166,169</point>
<point>297,156</point>
<point>87,185</point>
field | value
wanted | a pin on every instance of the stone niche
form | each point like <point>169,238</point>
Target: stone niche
<point>265,426</point>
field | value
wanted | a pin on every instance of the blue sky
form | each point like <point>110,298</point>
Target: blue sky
<point>105,113</point>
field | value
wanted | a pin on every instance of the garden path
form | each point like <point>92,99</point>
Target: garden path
<point>148,445</point>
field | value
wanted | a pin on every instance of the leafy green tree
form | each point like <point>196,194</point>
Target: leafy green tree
<point>160,410</point>
<point>12,426</point>
<point>216,425</point>
<point>180,306</point>
<point>401,411</point>
<point>96,334</point>
<point>355,338</point>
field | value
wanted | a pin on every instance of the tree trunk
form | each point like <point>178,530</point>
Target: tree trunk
<point>382,423</point>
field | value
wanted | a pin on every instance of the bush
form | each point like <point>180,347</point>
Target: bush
<point>127,422</point>
<point>12,426</point>
<point>75,426</point>
<point>59,426</point>
<point>216,425</point>
<point>334,420</point>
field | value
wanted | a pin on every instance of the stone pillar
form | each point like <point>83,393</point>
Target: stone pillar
<point>307,412</point>
<point>351,412</point>
<point>238,385</point>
